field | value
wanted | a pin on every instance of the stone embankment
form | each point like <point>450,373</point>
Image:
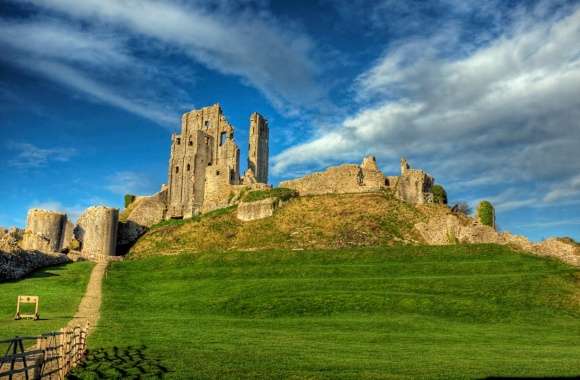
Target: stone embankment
<point>451,228</point>
<point>258,209</point>
<point>16,263</point>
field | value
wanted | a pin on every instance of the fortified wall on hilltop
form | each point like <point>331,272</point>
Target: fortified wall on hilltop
<point>412,186</point>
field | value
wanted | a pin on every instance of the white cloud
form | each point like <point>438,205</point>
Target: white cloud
<point>567,190</point>
<point>31,156</point>
<point>128,182</point>
<point>52,39</point>
<point>509,110</point>
<point>254,46</point>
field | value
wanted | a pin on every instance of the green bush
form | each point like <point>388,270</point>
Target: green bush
<point>439,194</point>
<point>278,192</point>
<point>129,198</point>
<point>486,213</point>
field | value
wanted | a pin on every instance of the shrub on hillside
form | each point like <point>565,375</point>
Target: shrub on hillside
<point>439,194</point>
<point>277,192</point>
<point>129,198</point>
<point>486,214</point>
<point>461,208</point>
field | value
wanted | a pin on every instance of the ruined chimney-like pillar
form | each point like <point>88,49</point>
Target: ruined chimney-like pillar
<point>404,166</point>
<point>97,231</point>
<point>44,230</point>
<point>258,152</point>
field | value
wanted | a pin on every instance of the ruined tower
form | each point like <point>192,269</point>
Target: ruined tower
<point>204,160</point>
<point>96,230</point>
<point>258,147</point>
<point>44,230</point>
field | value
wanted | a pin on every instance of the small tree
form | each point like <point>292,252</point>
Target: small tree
<point>439,194</point>
<point>486,213</point>
<point>129,198</point>
<point>461,208</point>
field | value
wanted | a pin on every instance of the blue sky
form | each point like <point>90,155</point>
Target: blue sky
<point>484,95</point>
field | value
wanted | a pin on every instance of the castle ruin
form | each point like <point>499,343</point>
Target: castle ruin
<point>412,186</point>
<point>204,167</point>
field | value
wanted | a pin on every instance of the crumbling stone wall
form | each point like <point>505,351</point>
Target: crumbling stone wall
<point>68,235</point>
<point>347,178</point>
<point>45,230</point>
<point>264,208</point>
<point>96,231</point>
<point>452,229</point>
<point>413,186</point>
<point>144,212</point>
<point>16,263</point>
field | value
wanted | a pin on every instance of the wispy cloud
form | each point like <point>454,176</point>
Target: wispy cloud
<point>551,223</point>
<point>264,52</point>
<point>566,190</point>
<point>128,182</point>
<point>29,156</point>
<point>94,62</point>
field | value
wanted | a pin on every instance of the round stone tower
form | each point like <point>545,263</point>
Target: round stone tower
<point>96,230</point>
<point>44,230</point>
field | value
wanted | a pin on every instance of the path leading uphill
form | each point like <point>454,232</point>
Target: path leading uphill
<point>89,308</point>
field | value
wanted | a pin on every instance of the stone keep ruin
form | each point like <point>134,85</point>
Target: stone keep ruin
<point>204,168</point>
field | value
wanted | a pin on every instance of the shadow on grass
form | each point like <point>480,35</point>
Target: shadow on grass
<point>119,363</point>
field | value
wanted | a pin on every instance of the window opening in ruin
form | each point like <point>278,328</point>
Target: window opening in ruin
<point>206,124</point>
<point>217,172</point>
<point>190,143</point>
<point>188,167</point>
<point>207,141</point>
<point>178,140</point>
<point>209,163</point>
<point>222,138</point>
<point>232,175</point>
<point>177,169</point>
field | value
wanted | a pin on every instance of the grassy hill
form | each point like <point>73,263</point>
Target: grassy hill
<point>356,313</point>
<point>327,221</point>
<point>60,289</point>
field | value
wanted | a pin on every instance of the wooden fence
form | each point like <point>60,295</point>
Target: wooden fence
<point>48,356</point>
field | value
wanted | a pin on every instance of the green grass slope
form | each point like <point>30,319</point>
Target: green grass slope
<point>375,313</point>
<point>326,221</point>
<point>60,289</point>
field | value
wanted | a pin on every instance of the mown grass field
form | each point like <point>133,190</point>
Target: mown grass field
<point>377,313</point>
<point>60,289</point>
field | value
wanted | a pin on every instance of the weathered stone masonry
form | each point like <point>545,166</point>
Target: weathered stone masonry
<point>204,167</point>
<point>413,186</point>
<point>45,231</point>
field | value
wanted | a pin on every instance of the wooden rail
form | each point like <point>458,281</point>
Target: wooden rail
<point>49,356</point>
